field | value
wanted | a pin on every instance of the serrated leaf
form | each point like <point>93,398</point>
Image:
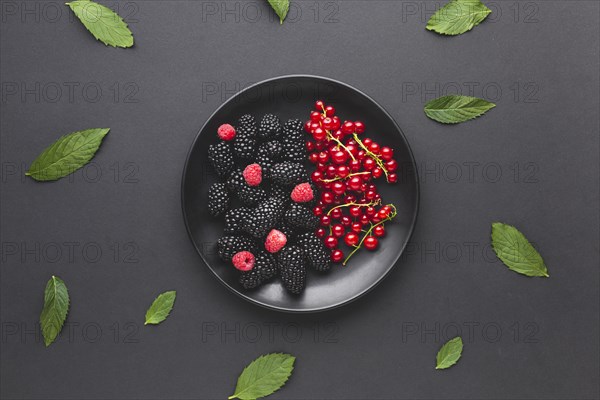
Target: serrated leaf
<point>67,154</point>
<point>449,354</point>
<point>56,307</point>
<point>515,251</point>
<point>453,109</point>
<point>160,308</point>
<point>281,8</point>
<point>103,23</point>
<point>264,376</point>
<point>458,16</point>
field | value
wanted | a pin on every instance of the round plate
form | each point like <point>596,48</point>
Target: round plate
<point>294,97</point>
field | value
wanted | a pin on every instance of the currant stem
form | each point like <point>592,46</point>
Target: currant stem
<point>339,178</point>
<point>372,155</point>
<point>391,216</point>
<point>372,203</point>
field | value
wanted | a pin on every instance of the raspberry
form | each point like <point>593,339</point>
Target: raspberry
<point>253,174</point>
<point>302,193</point>
<point>244,260</point>
<point>226,132</point>
<point>275,241</point>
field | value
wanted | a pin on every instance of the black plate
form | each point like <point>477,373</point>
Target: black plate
<point>294,97</point>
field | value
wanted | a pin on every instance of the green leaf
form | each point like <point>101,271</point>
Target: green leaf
<point>103,23</point>
<point>449,354</point>
<point>458,16</point>
<point>453,109</point>
<point>264,376</point>
<point>515,251</point>
<point>281,8</point>
<point>56,307</point>
<point>160,308</point>
<point>67,154</point>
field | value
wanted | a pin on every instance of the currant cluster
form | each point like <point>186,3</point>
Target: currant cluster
<point>347,164</point>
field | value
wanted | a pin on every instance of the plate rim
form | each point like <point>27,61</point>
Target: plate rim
<point>357,295</point>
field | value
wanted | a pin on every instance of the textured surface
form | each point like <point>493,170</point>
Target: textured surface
<point>531,162</point>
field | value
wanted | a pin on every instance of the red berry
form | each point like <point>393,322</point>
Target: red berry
<point>310,146</point>
<point>391,165</point>
<point>275,241</point>
<point>379,231</point>
<point>315,116</point>
<point>343,171</point>
<point>348,127</point>
<point>253,174</point>
<point>244,260</point>
<point>327,197</point>
<point>327,123</point>
<point>387,153</point>
<point>359,127</point>
<point>319,105</point>
<point>313,158</point>
<point>329,111</point>
<point>392,178</point>
<point>316,176</point>
<point>371,243</point>
<point>335,213</point>
<point>355,211</point>
<point>337,230</point>
<point>325,220</point>
<point>374,147</point>
<point>370,195</point>
<point>339,157</point>
<point>226,132</point>
<point>337,256</point>
<point>336,125</point>
<point>338,188</point>
<point>302,193</point>
<point>346,221</point>
<point>307,126</point>
<point>370,211</point>
<point>355,165</point>
<point>351,239</point>
<point>356,227</point>
<point>377,172</point>
<point>367,142</point>
<point>355,183</point>
<point>320,233</point>
<point>319,134</point>
<point>369,163</point>
<point>331,242</point>
<point>318,211</point>
<point>364,219</point>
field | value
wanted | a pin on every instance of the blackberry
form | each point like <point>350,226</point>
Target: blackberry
<point>281,192</point>
<point>301,217</point>
<point>246,126</point>
<point>234,219</point>
<point>292,267</point>
<point>218,199</point>
<point>221,158</point>
<point>228,246</point>
<point>286,229</point>
<point>264,217</point>
<point>288,173</point>
<point>248,195</point>
<point>251,195</point>
<point>272,149</point>
<point>265,268</point>
<point>266,163</point>
<point>270,127</point>
<point>293,141</point>
<point>317,255</point>
<point>244,147</point>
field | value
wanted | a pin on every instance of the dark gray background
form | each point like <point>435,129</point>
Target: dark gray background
<point>524,338</point>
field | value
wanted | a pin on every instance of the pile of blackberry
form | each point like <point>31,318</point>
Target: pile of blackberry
<point>266,198</point>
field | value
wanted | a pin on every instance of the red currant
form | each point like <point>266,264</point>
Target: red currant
<point>391,165</point>
<point>318,211</point>
<point>379,231</point>
<point>346,221</point>
<point>337,256</point>
<point>338,230</point>
<point>368,163</point>
<point>355,211</point>
<point>339,157</point>
<point>325,220</point>
<point>319,134</point>
<point>355,183</point>
<point>392,178</point>
<point>374,148</point>
<point>320,233</point>
<point>359,127</point>
<point>338,188</point>
<point>316,176</point>
<point>329,111</point>
<point>319,105</point>
<point>327,197</point>
<point>335,213</point>
<point>355,165</point>
<point>351,239</point>
<point>387,153</point>
<point>356,227</point>
<point>371,243</point>
<point>348,127</point>
<point>331,242</point>
<point>377,172</point>
<point>315,116</point>
<point>343,171</point>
